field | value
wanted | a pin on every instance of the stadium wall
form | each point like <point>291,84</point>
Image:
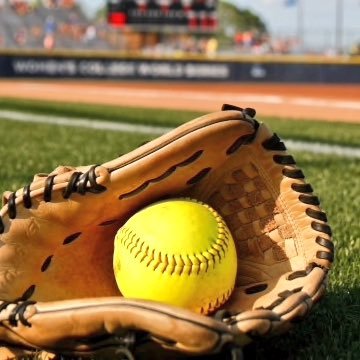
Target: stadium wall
<point>105,65</point>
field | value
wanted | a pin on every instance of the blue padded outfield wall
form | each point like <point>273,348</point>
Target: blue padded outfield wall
<point>285,69</point>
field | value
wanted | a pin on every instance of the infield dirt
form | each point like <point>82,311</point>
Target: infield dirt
<point>301,101</point>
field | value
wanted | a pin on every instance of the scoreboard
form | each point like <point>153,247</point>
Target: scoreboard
<point>192,15</point>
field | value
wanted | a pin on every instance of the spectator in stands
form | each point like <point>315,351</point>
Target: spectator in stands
<point>50,25</point>
<point>21,7</point>
<point>211,47</point>
<point>20,37</point>
<point>50,4</point>
<point>49,33</point>
<point>67,4</point>
<point>355,50</point>
<point>90,34</point>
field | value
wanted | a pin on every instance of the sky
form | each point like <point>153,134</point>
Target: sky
<point>315,20</point>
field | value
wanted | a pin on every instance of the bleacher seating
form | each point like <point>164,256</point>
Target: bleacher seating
<point>28,26</point>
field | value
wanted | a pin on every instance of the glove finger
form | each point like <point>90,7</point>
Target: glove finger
<point>67,326</point>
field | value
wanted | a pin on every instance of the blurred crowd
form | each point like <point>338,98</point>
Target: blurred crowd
<point>256,43</point>
<point>61,24</point>
<point>48,24</point>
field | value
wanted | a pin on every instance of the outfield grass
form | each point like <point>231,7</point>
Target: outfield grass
<point>334,133</point>
<point>330,332</point>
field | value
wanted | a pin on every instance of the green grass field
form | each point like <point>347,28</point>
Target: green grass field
<point>332,330</point>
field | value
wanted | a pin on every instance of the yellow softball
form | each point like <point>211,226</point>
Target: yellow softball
<point>178,252</point>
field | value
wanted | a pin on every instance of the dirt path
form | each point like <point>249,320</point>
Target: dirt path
<point>322,102</point>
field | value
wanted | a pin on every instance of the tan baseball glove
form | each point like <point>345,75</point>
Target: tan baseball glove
<point>56,278</point>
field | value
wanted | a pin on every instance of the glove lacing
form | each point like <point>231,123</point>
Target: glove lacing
<point>306,197</point>
<point>78,183</point>
<point>17,314</point>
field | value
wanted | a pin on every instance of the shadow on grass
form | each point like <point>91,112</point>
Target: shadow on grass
<point>329,332</point>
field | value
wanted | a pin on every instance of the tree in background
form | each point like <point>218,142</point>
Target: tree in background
<point>238,27</point>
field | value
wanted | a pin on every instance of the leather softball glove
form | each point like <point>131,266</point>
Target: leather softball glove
<point>57,288</point>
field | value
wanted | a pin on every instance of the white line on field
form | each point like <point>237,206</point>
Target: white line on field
<point>313,147</point>
<point>320,148</point>
<point>81,122</point>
